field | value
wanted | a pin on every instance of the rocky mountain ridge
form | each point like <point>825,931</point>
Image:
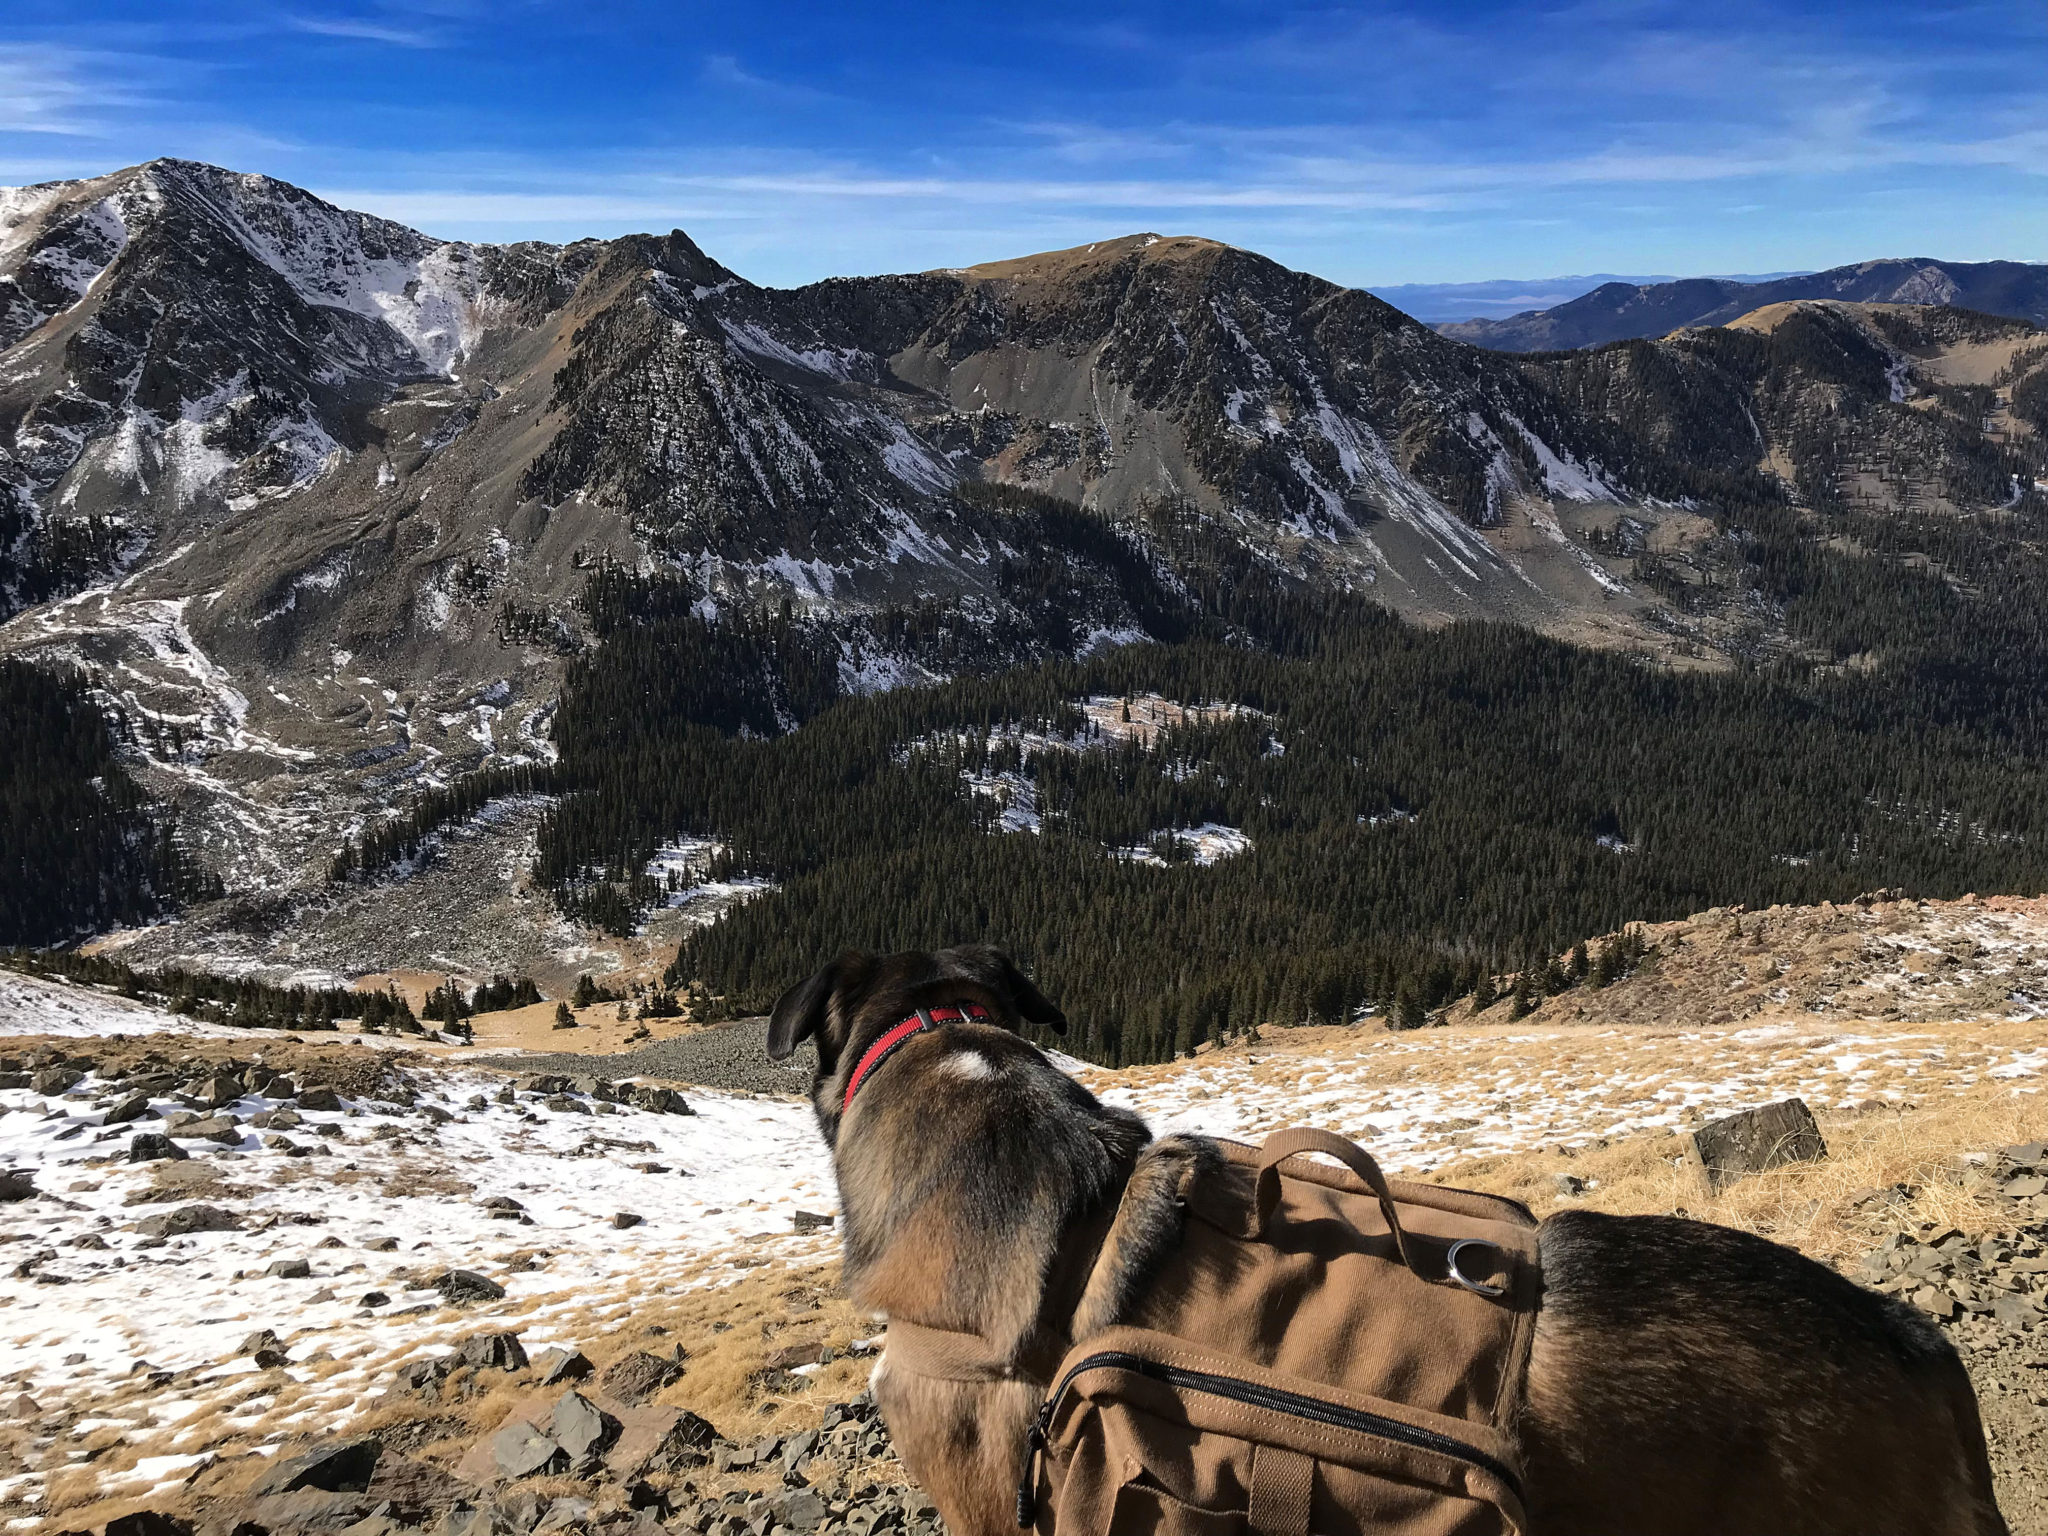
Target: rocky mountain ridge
<point>1618,311</point>
<point>315,499</point>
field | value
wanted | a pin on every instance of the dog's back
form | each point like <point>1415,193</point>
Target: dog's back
<point>1692,1378</point>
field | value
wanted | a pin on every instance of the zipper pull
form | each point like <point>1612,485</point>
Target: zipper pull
<point>1027,1487</point>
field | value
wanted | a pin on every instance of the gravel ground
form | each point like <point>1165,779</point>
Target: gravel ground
<point>733,1057</point>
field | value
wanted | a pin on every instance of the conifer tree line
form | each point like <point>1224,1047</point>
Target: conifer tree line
<point>410,839</point>
<point>252,1004</point>
<point>1431,812</point>
<point>81,849</point>
<point>238,1000</point>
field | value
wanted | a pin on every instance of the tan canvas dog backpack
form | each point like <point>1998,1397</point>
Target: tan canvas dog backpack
<point>1326,1354</point>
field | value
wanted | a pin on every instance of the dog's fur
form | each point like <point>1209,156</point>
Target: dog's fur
<point>1684,1378</point>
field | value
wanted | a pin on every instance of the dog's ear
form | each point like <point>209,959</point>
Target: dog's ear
<point>998,972</point>
<point>800,1012</point>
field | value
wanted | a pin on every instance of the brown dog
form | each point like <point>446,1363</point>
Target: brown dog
<point>1683,1378</point>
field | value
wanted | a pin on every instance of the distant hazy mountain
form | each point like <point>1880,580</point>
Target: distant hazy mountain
<point>1619,310</point>
<point>1505,297</point>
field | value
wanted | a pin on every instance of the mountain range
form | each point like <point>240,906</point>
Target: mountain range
<point>318,502</point>
<point>1622,309</point>
<point>1504,298</point>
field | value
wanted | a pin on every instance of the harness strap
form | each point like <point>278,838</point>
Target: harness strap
<point>944,1355</point>
<point>918,1023</point>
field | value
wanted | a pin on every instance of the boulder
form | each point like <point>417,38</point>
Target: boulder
<point>520,1450</point>
<point>1755,1141</point>
<point>154,1146</point>
<point>262,1338</point>
<point>219,1091</point>
<point>458,1287</point>
<point>625,1219</point>
<point>492,1352</point>
<point>2016,1312</point>
<point>418,1375</point>
<point>638,1376</point>
<point>224,1129</point>
<point>290,1269</point>
<point>319,1097</point>
<point>16,1184</point>
<point>810,1221</point>
<point>52,1081</point>
<point>342,1467</point>
<point>799,1509</point>
<point>562,1514</point>
<point>582,1429</point>
<point>189,1218</point>
<point>660,1100</point>
<point>134,1107</point>
<point>557,1365</point>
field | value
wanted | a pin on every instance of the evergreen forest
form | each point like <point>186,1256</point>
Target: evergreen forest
<point>81,847</point>
<point>1428,810</point>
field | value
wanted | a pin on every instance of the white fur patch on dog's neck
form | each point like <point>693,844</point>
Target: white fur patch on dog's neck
<point>971,1065</point>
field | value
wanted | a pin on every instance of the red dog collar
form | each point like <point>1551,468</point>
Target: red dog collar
<point>920,1021</point>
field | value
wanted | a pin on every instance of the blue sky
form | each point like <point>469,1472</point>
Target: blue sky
<point>1374,144</point>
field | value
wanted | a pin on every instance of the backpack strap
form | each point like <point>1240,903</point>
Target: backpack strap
<point>1282,1145</point>
<point>1283,1488</point>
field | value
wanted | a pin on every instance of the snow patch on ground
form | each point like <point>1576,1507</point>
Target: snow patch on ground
<point>834,362</point>
<point>38,1005</point>
<point>1016,794</point>
<point>683,867</point>
<point>1206,844</point>
<point>1565,476</point>
<point>735,1172</point>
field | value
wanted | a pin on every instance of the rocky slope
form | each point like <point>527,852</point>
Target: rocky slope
<point>313,497</point>
<point>1620,310</point>
<point>315,1281</point>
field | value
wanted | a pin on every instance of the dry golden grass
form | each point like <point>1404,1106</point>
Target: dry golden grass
<point>1809,1206</point>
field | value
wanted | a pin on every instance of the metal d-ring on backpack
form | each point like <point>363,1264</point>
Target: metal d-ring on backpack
<point>1325,1352</point>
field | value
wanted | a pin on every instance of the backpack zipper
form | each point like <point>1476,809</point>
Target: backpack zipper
<point>1251,1393</point>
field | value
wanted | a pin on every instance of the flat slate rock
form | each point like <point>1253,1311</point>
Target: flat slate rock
<point>520,1450</point>
<point>645,1431</point>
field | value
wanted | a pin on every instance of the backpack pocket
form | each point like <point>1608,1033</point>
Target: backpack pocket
<point>1142,1434</point>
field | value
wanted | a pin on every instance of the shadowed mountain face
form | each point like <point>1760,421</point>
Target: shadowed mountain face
<point>318,499</point>
<point>1620,311</point>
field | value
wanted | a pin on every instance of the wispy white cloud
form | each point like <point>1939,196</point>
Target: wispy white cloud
<point>73,93</point>
<point>363,31</point>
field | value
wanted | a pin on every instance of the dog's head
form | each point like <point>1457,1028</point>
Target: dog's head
<point>858,996</point>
